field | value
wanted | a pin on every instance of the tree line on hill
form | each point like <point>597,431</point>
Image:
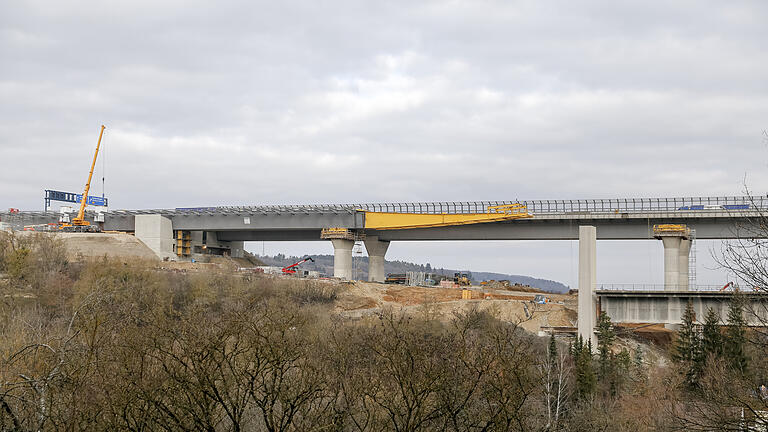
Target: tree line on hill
<point>324,264</point>
<point>126,346</point>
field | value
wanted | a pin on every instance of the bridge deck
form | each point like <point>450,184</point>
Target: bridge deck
<point>630,218</point>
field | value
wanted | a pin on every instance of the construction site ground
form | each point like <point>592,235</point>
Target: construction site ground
<point>363,298</point>
<point>358,299</point>
<point>94,245</point>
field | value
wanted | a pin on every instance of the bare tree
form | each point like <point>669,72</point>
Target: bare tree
<point>555,371</point>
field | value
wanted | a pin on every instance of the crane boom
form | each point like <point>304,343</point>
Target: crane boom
<point>80,219</point>
<point>290,269</point>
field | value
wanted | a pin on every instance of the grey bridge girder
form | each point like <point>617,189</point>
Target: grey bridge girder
<point>533,229</point>
<point>667,307</point>
<point>306,227</point>
<point>275,222</point>
<point>256,222</point>
<point>270,235</point>
<point>607,229</point>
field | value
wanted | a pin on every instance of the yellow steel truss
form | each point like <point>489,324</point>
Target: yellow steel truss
<point>389,221</point>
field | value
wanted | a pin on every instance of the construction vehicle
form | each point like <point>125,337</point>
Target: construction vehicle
<point>291,269</point>
<point>729,284</point>
<point>540,299</point>
<point>396,278</point>
<point>78,223</point>
<point>461,279</point>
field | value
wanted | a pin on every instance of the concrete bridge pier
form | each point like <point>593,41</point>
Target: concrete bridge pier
<point>682,264</point>
<point>677,246</point>
<point>587,318</point>
<point>671,262</point>
<point>342,258</point>
<point>376,249</point>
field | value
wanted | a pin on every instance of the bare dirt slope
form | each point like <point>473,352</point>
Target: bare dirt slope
<point>89,245</point>
<point>362,298</point>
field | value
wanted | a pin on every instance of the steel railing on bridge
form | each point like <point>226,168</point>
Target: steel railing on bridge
<point>730,204</point>
<point>660,287</point>
<point>620,205</point>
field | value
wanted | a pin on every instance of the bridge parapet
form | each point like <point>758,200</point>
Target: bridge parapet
<point>650,288</point>
<point>573,207</point>
<point>584,206</point>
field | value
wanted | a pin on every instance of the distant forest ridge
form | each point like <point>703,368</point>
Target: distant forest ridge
<point>324,264</point>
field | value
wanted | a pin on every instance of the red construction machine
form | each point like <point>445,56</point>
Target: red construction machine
<point>291,269</point>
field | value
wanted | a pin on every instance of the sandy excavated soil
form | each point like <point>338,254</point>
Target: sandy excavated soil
<point>117,245</point>
<point>89,245</point>
<point>362,299</point>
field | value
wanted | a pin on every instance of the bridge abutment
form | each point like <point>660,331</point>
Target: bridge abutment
<point>587,318</point>
<point>342,258</point>
<point>376,249</point>
<point>156,232</point>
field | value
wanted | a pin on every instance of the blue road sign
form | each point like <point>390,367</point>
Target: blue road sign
<point>52,195</point>
<point>93,200</point>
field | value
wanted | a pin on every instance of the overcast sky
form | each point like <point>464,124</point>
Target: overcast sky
<point>245,103</point>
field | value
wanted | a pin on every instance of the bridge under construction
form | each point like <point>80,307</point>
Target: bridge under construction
<point>185,232</point>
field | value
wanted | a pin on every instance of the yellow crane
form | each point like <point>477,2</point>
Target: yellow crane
<point>79,223</point>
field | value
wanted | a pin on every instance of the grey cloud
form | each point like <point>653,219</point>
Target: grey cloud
<point>349,101</point>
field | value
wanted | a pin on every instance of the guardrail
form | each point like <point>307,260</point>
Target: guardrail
<point>622,205</point>
<point>660,287</point>
<point>732,204</point>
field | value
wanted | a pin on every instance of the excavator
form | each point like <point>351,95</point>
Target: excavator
<point>78,223</point>
<point>291,269</point>
<point>462,279</point>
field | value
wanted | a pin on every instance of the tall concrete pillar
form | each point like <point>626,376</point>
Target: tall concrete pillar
<point>376,249</point>
<point>342,258</point>
<point>587,281</point>
<point>671,262</point>
<point>682,264</point>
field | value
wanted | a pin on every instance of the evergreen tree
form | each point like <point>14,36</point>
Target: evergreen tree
<point>735,336</point>
<point>638,371</point>
<point>711,338</point>
<point>605,337</point>
<point>638,360</point>
<point>621,370</point>
<point>584,370</point>
<point>552,348</point>
<point>688,347</point>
